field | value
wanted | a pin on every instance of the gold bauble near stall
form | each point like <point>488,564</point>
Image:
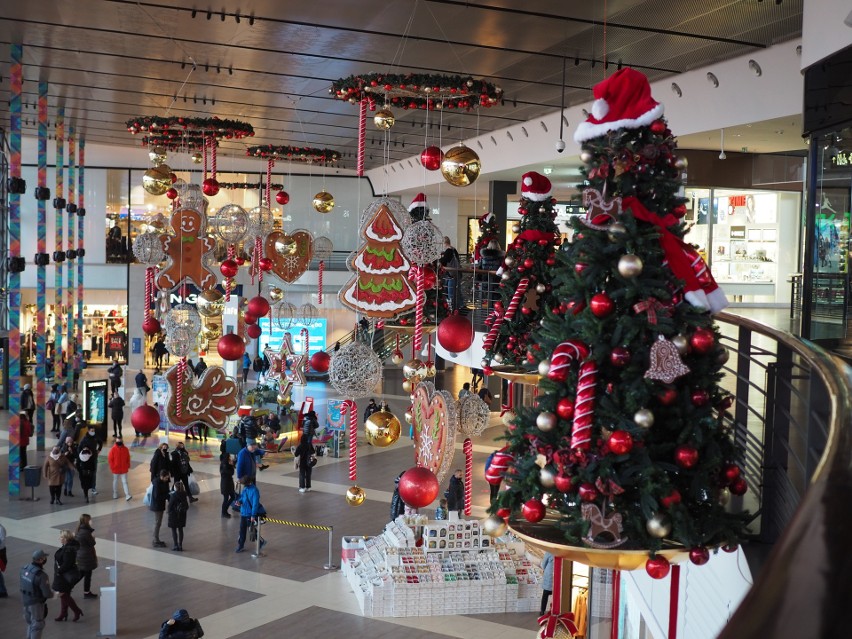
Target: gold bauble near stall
<point>382,428</point>
<point>355,496</point>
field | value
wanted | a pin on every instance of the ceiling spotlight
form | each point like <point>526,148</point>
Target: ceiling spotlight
<point>560,146</point>
<point>677,90</point>
<point>722,155</point>
<point>755,68</point>
<point>712,79</point>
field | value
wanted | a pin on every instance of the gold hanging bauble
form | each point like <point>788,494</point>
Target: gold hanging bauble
<point>413,368</point>
<point>384,119</point>
<point>211,332</point>
<point>461,166</point>
<point>408,417</point>
<point>382,428</point>
<point>197,158</point>
<point>210,303</point>
<point>407,386</point>
<point>323,202</point>
<point>355,496</point>
<point>157,155</point>
<point>275,294</point>
<point>157,180</point>
<point>282,399</point>
<point>494,526</point>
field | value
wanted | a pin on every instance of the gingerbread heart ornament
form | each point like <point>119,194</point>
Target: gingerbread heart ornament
<point>210,399</point>
<point>435,420</point>
<point>291,253</point>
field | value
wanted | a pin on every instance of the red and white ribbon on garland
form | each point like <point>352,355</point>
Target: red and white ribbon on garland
<point>213,157</point>
<point>362,136</point>
<point>420,275</point>
<point>468,474</point>
<point>508,315</point>
<point>269,164</point>
<point>550,621</point>
<point>204,154</point>
<point>179,390</point>
<point>353,438</point>
<point>319,281</point>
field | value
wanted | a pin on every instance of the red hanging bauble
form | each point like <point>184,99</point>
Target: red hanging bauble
<point>229,268</point>
<point>574,306</point>
<point>258,306</point>
<point>601,305</point>
<point>320,361</point>
<point>739,487</point>
<point>671,499</point>
<point>230,347</point>
<point>533,510</point>
<point>254,331</point>
<point>657,567</point>
<point>172,193</point>
<point>579,267</point>
<point>588,492</point>
<point>145,419</point>
<point>565,408</point>
<point>265,264</point>
<point>249,318</point>
<point>667,396</point>
<point>563,483</point>
<point>620,442</point>
<point>619,357</point>
<point>282,197</point>
<point>702,341</point>
<point>151,326</point>
<point>730,474</point>
<point>240,260</point>
<point>679,211</point>
<point>700,397</point>
<point>210,186</point>
<point>699,555</point>
<point>431,158</point>
<point>686,456</point>
<point>455,333</point>
<point>529,263</point>
<point>418,487</point>
<point>658,126</point>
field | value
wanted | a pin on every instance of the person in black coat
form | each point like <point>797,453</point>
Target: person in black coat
<point>226,483</point>
<point>159,498</point>
<point>305,452</point>
<point>66,575</point>
<point>455,492</point>
<point>115,374</point>
<point>200,367</point>
<point>95,444</point>
<point>116,410</point>
<point>397,506</point>
<point>310,425</point>
<point>178,507</point>
<point>142,382</point>
<point>86,468</point>
<point>181,626</point>
<point>160,461</point>
<point>247,429</point>
<point>181,468</point>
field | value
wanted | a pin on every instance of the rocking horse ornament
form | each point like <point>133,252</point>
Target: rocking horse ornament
<point>599,524</point>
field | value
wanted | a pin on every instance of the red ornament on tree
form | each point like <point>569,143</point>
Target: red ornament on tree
<point>679,211</point>
<point>229,268</point>
<point>700,397</point>
<point>699,555</point>
<point>620,442</point>
<point>418,487</point>
<point>671,499</point>
<point>151,326</point>
<point>563,483</point>
<point>588,492</point>
<point>686,456</point>
<point>282,197</point>
<point>565,408</point>
<point>730,547</point>
<point>258,306</point>
<point>657,567</point>
<point>730,474</point>
<point>667,396</point>
<point>574,306</point>
<point>579,267</point>
<point>533,511</point>
<point>620,356</point>
<point>254,331</point>
<point>503,513</point>
<point>658,126</point>
<point>145,419</point>
<point>739,487</point>
<point>702,341</point>
<point>210,186</point>
<point>529,263</point>
<point>431,158</point>
<point>601,305</point>
<point>455,333</point>
<point>320,361</point>
<point>230,347</point>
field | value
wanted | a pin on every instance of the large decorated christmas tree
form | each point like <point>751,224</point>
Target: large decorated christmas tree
<point>488,230</point>
<point>626,440</point>
<point>526,281</point>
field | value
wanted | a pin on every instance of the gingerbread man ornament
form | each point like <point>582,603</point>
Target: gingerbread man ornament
<point>187,252</point>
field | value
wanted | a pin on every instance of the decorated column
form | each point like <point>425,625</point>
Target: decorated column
<point>81,215</point>
<point>41,283</point>
<point>58,270</point>
<point>71,209</point>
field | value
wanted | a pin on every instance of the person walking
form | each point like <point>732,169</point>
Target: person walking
<point>87,558</point>
<point>371,408</point>
<point>3,562</point>
<point>159,499</point>
<point>86,468</point>
<point>115,374</point>
<point>35,591</point>
<point>52,407</point>
<point>25,431</point>
<point>28,402</point>
<point>455,492</point>
<point>66,574</point>
<point>547,580</point>
<point>160,461</point>
<point>465,391</point>
<point>247,461</point>
<point>69,449</point>
<point>119,464</point>
<point>181,626</point>
<point>250,510</point>
<point>451,263</point>
<point>397,506</point>
<point>226,483</point>
<point>160,351</point>
<point>69,407</point>
<point>200,367</point>
<point>95,444</point>
<point>142,382</point>
<point>181,468</point>
<point>178,507</point>
<point>246,367</point>
<point>306,460</point>
<point>310,425</point>
<point>116,410</point>
<point>54,468</point>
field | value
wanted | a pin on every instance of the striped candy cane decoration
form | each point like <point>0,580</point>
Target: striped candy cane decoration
<point>212,143</point>
<point>229,282</point>
<point>508,315</point>
<point>305,338</point>
<point>149,291</point>
<point>468,474</point>
<point>269,164</point>
<point>204,155</point>
<point>420,304</point>
<point>584,406</point>
<point>319,281</point>
<point>179,389</point>
<point>353,439</point>
<point>362,135</point>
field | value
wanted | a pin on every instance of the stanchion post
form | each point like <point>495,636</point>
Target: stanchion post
<point>329,565</point>
<point>257,553</point>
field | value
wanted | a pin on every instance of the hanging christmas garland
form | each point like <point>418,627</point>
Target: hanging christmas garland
<point>294,153</point>
<point>248,185</point>
<point>417,91</point>
<point>216,127</point>
<point>172,140</point>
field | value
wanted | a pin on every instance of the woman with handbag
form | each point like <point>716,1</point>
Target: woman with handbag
<point>178,507</point>
<point>55,466</point>
<point>87,558</point>
<point>305,460</point>
<point>66,575</point>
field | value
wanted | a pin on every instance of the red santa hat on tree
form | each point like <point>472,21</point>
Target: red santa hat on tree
<point>418,202</point>
<point>535,187</point>
<point>622,101</point>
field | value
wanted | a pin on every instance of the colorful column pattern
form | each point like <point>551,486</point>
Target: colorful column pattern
<point>58,267</point>
<point>41,283</point>
<point>16,73</point>
<point>70,349</point>
<point>81,212</point>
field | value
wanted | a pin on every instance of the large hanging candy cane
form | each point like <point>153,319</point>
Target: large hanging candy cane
<point>213,157</point>
<point>229,282</point>
<point>179,389</point>
<point>304,335</point>
<point>353,438</point>
<point>149,291</point>
<point>468,474</point>
<point>420,304</point>
<point>508,315</point>
<point>269,164</point>
<point>319,281</point>
<point>362,136</point>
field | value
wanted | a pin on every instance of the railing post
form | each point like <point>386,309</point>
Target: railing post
<point>776,443</point>
<point>329,565</point>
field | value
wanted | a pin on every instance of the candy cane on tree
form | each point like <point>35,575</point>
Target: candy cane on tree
<point>420,275</point>
<point>508,315</point>
<point>362,136</point>
<point>179,390</point>
<point>304,335</point>
<point>229,282</point>
<point>269,164</point>
<point>584,406</point>
<point>468,474</point>
<point>353,438</point>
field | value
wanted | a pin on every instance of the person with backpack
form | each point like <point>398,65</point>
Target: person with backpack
<point>451,262</point>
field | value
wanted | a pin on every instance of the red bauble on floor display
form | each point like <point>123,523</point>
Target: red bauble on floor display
<point>418,487</point>
<point>320,361</point>
<point>455,333</point>
<point>254,331</point>
<point>145,419</point>
<point>258,306</point>
<point>231,347</point>
<point>533,510</point>
<point>151,326</point>
<point>657,567</point>
<point>431,158</point>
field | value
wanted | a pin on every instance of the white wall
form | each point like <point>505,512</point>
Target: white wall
<point>826,29</point>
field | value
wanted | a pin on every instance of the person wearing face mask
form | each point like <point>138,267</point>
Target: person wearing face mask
<point>119,464</point>
<point>160,461</point>
<point>95,444</point>
<point>55,465</point>
<point>86,470</point>
<point>69,449</point>
<point>159,497</point>
<point>181,468</point>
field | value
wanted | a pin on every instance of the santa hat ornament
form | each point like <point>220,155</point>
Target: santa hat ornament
<point>622,101</point>
<point>535,187</point>
<point>418,202</point>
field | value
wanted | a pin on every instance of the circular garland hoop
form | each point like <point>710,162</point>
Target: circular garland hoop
<point>176,140</point>
<point>294,153</point>
<point>417,91</point>
<point>215,127</point>
<point>250,185</point>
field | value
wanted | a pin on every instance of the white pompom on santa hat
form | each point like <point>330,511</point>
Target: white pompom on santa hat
<point>622,101</point>
<point>535,187</point>
<point>418,202</point>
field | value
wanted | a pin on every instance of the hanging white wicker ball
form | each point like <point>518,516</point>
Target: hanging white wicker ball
<point>474,414</point>
<point>355,370</point>
<point>191,196</point>
<point>422,242</point>
<point>323,248</point>
<point>230,223</point>
<point>148,249</point>
<point>181,320</point>
<point>307,315</point>
<point>284,314</point>
<point>260,221</point>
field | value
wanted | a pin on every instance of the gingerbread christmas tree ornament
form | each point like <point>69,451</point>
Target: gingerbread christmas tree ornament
<point>379,287</point>
<point>188,251</point>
